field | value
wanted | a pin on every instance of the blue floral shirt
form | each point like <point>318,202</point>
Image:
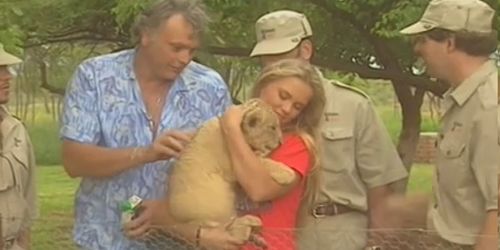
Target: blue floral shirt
<point>103,106</point>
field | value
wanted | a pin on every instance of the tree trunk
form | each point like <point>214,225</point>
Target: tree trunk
<point>33,104</point>
<point>410,129</point>
<point>46,103</point>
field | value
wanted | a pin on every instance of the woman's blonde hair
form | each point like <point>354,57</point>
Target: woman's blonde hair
<point>308,121</point>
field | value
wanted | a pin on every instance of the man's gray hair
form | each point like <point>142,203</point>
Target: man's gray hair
<point>156,14</point>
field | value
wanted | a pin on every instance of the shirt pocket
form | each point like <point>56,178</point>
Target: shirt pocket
<point>12,205</point>
<point>452,147</point>
<point>338,149</point>
<point>7,178</point>
<point>21,157</point>
<point>452,168</point>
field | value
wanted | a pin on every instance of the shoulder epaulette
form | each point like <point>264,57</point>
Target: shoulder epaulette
<point>349,87</point>
<point>18,118</point>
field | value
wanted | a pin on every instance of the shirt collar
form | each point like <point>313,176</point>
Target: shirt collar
<point>465,90</point>
<point>8,122</point>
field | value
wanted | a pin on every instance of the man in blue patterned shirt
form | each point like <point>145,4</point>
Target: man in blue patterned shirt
<point>127,115</point>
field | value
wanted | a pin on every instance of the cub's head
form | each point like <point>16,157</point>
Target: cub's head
<point>260,125</point>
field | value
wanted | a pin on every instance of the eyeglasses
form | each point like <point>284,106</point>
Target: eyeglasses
<point>13,70</point>
<point>8,70</point>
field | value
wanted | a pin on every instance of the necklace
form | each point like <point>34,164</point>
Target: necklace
<point>151,121</point>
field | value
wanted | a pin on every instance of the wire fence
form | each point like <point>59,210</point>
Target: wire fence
<point>56,233</point>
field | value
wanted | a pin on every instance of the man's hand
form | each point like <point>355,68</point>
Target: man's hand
<point>150,212</point>
<point>488,238</point>
<point>168,145</point>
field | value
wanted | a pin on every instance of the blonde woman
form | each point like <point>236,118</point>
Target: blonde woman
<point>294,91</point>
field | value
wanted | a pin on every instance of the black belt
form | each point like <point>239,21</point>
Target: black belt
<point>330,209</point>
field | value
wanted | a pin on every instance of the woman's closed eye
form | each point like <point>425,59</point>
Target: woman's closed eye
<point>298,106</point>
<point>284,95</point>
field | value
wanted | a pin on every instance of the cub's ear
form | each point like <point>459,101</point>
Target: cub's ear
<point>252,103</point>
<point>251,118</point>
<point>252,121</point>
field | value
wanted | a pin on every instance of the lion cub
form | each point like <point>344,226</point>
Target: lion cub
<point>202,187</point>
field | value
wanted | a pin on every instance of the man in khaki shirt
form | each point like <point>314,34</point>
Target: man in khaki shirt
<point>455,39</point>
<point>17,169</point>
<point>359,161</point>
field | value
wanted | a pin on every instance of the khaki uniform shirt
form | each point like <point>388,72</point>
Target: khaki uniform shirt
<point>464,183</point>
<point>358,153</point>
<point>17,172</point>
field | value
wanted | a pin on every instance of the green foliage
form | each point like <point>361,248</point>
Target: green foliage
<point>125,12</point>
<point>44,133</point>
<point>11,34</point>
<point>11,37</point>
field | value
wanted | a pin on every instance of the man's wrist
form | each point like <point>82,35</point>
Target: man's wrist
<point>142,155</point>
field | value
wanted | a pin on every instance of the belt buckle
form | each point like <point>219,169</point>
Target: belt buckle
<point>314,211</point>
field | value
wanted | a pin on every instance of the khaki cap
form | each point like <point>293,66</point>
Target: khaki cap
<point>6,58</point>
<point>455,15</point>
<point>279,32</point>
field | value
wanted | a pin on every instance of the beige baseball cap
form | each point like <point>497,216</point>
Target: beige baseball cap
<point>6,58</point>
<point>455,15</point>
<point>279,32</point>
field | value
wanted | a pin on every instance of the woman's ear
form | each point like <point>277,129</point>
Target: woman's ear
<point>306,49</point>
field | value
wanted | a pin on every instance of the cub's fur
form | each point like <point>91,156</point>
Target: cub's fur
<point>202,186</point>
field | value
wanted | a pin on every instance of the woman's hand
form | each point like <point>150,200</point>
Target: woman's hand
<point>217,238</point>
<point>231,119</point>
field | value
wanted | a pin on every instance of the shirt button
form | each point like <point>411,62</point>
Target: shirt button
<point>448,153</point>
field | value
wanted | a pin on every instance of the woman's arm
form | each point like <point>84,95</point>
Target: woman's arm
<point>250,173</point>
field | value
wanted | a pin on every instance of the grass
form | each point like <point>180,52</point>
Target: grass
<point>53,230</point>
<point>420,179</point>
<point>56,191</point>
<point>392,121</point>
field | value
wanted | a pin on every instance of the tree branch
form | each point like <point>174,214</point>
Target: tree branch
<point>45,82</point>
<point>79,38</point>
<point>361,70</point>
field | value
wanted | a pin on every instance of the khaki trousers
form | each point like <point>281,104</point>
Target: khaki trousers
<point>341,232</point>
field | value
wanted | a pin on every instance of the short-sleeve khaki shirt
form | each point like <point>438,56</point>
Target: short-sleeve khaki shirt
<point>358,153</point>
<point>17,172</point>
<point>464,185</point>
